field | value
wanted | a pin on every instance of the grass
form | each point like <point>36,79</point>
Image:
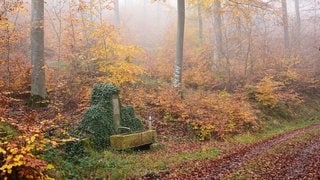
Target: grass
<point>122,164</point>
<point>271,130</point>
<point>305,115</point>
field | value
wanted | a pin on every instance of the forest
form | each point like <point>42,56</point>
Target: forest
<point>228,89</point>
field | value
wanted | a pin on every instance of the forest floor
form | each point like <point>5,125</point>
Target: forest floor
<point>281,150</point>
<point>291,155</point>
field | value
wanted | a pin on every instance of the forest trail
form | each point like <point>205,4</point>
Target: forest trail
<point>291,155</point>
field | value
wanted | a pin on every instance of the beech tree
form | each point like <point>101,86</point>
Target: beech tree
<point>285,29</point>
<point>38,83</point>
<point>298,25</point>
<point>116,14</point>
<point>217,32</point>
<point>179,44</point>
<point>200,21</point>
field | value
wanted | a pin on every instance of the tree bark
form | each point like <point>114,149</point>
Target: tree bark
<point>298,26</point>
<point>116,14</point>
<point>200,22</point>
<point>38,83</point>
<point>177,77</point>
<point>285,29</point>
<point>217,53</point>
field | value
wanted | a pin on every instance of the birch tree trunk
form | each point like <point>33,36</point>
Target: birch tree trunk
<point>38,83</point>
<point>285,29</point>
<point>217,53</point>
<point>177,77</point>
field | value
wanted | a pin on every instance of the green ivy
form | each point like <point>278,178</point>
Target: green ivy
<point>128,119</point>
<point>97,121</point>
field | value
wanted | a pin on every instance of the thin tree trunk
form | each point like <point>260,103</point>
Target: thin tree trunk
<point>265,42</point>
<point>101,24</point>
<point>200,22</point>
<point>298,26</point>
<point>8,56</point>
<point>38,83</point>
<point>248,55</point>
<point>116,14</point>
<point>239,38</point>
<point>177,77</point>
<point>227,58</point>
<point>285,29</point>
<point>217,56</point>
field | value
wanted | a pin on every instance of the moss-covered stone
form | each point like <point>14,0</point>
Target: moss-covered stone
<point>125,141</point>
<point>98,121</point>
<point>128,119</point>
<point>97,124</point>
<point>102,94</point>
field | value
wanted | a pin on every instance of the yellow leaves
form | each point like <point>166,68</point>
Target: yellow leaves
<point>203,130</point>
<point>266,92</point>
<point>14,151</point>
<point>122,72</point>
<point>19,153</point>
<point>2,119</point>
<point>50,166</point>
<point>2,151</point>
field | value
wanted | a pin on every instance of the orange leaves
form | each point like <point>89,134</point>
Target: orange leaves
<point>17,156</point>
<point>208,114</point>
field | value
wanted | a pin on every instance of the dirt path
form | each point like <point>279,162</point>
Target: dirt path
<point>292,155</point>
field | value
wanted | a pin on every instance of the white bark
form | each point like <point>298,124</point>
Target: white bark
<point>38,85</point>
<point>177,77</point>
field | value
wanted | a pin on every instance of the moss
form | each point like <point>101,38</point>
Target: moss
<point>97,122</point>
<point>37,101</point>
<point>7,131</point>
<point>126,141</point>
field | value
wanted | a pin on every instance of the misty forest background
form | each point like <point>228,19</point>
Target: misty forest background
<point>246,65</point>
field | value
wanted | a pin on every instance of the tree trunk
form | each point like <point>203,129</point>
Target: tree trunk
<point>285,29</point>
<point>200,22</point>
<point>298,26</point>
<point>8,55</point>
<point>177,77</point>
<point>38,83</point>
<point>116,14</point>
<point>217,53</point>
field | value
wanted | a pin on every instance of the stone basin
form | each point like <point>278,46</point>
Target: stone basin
<point>133,140</point>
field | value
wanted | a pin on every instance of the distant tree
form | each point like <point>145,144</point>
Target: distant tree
<point>177,77</point>
<point>298,26</point>
<point>285,29</point>
<point>200,22</point>
<point>217,32</point>
<point>116,14</point>
<point>38,83</point>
